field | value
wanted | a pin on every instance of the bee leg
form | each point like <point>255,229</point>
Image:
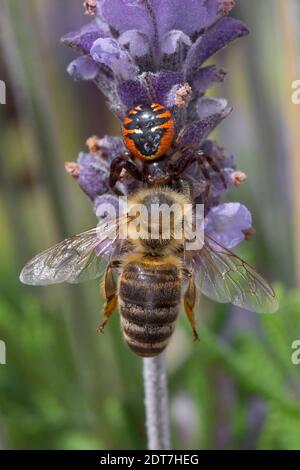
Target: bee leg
<point>117,166</point>
<point>190,297</point>
<point>110,294</point>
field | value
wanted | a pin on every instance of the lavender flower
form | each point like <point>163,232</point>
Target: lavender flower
<point>144,51</point>
<point>154,53</point>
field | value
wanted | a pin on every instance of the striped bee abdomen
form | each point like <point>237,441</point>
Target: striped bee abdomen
<point>149,299</point>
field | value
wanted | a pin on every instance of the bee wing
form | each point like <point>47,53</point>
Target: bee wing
<point>73,260</point>
<point>226,278</point>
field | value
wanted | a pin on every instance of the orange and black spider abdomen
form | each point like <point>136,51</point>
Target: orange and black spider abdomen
<point>148,131</point>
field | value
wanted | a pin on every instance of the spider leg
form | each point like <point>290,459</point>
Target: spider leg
<point>186,161</point>
<point>207,178</point>
<point>178,167</point>
<point>119,164</point>
<point>211,162</point>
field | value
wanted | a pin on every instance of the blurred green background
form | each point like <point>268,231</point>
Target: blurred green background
<point>63,386</point>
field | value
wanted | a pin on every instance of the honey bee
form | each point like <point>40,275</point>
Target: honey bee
<point>147,276</point>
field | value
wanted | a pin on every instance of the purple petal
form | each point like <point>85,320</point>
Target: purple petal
<point>106,205</point>
<point>162,83</point>
<point>89,159</point>
<point>94,167</point>
<point>197,131</point>
<point>132,93</point>
<point>93,181</point>
<point>148,88</point>
<point>190,17</point>
<point>83,68</point>
<point>210,147</point>
<point>93,175</point>
<point>157,17</point>
<point>213,41</point>
<point>111,147</point>
<point>136,41</point>
<point>171,41</point>
<point>106,82</point>
<point>208,106</point>
<point>102,151</point>
<point>206,77</point>
<point>83,39</point>
<point>126,15</point>
<point>227,224</point>
<point>108,51</point>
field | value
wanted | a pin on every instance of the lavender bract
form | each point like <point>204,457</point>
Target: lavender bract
<point>144,51</point>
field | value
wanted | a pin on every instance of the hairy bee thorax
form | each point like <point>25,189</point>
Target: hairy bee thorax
<point>157,218</point>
